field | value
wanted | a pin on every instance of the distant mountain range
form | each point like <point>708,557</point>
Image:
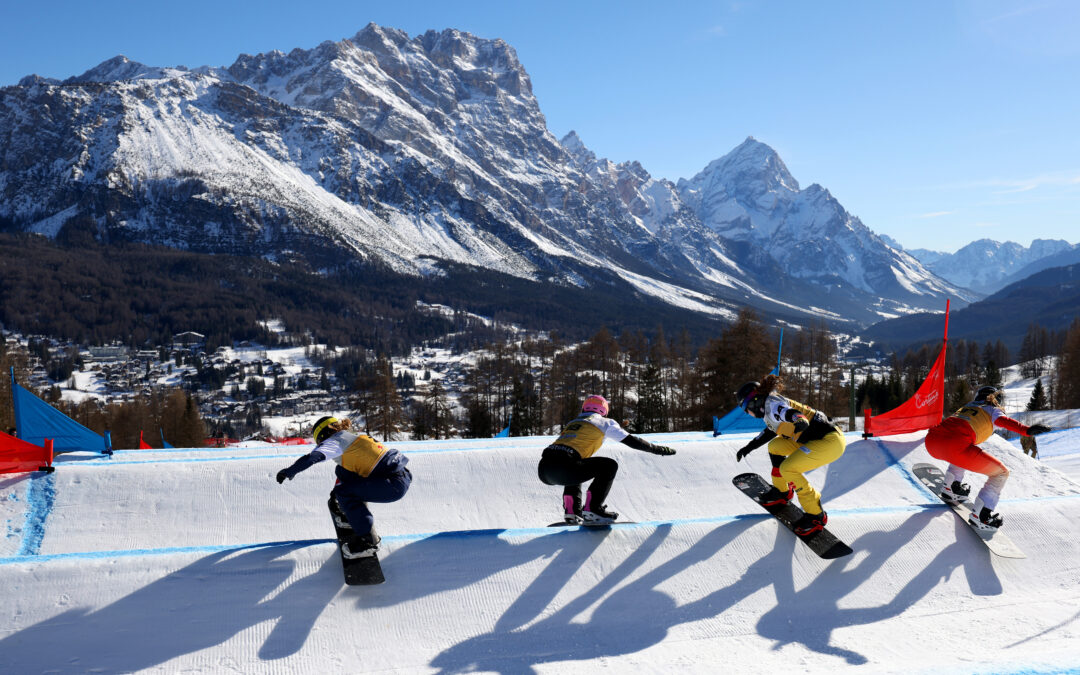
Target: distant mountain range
<point>987,266</point>
<point>1050,298</point>
<point>424,157</point>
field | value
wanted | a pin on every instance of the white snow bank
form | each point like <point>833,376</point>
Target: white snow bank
<point>146,563</point>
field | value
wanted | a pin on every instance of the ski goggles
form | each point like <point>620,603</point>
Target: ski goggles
<point>745,404</point>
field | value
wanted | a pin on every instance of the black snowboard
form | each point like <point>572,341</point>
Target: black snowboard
<point>363,571</point>
<point>597,526</point>
<point>822,542</point>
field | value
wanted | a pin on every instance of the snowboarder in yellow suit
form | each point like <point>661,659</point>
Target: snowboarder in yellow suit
<point>800,439</point>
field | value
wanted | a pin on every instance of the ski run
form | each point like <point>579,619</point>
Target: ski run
<point>196,560</point>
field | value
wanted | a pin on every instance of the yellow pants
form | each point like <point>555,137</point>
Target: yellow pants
<point>800,458</point>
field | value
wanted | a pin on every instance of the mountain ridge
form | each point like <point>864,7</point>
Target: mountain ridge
<point>987,265</point>
<point>1049,298</point>
<point>424,153</point>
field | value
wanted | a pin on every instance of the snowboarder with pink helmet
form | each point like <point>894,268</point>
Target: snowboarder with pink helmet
<point>569,461</point>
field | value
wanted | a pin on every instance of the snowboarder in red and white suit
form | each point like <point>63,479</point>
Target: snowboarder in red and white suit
<point>956,440</point>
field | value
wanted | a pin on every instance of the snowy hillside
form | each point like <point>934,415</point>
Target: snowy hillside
<point>196,560</point>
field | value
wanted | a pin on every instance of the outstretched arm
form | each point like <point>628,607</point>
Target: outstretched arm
<point>305,462</point>
<point>1009,423</point>
<point>639,443</point>
<point>761,439</point>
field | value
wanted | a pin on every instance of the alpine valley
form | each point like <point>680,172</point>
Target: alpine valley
<point>427,160</point>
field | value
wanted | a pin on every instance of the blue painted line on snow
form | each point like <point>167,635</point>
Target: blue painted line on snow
<point>501,533</point>
<point>130,553</point>
<point>404,447</point>
<point>40,496</point>
<point>207,449</point>
<point>237,458</point>
<point>1042,670</point>
<point>183,460</point>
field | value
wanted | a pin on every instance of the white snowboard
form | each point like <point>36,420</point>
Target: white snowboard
<point>995,540</point>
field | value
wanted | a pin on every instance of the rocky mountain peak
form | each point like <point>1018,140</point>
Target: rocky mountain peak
<point>750,163</point>
<point>120,68</point>
<point>579,153</point>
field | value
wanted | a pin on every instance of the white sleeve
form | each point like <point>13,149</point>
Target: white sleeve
<point>610,428</point>
<point>332,447</point>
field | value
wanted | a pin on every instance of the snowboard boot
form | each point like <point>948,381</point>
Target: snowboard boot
<point>810,523</point>
<point>572,509</point>
<point>774,497</point>
<point>361,546</point>
<point>596,514</point>
<point>340,521</point>
<point>956,493</point>
<point>986,519</point>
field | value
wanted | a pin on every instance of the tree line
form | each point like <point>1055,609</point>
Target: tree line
<point>141,295</point>
<point>654,383</point>
<point>657,384</point>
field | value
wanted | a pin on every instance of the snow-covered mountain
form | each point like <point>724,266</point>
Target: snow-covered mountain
<point>987,266</point>
<point>748,196</point>
<point>416,155</point>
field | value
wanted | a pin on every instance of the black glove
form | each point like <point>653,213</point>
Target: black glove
<point>801,425</point>
<point>743,452</point>
<point>638,443</point>
<point>1036,429</point>
<point>305,462</point>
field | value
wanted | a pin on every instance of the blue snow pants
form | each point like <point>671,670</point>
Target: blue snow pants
<point>353,491</point>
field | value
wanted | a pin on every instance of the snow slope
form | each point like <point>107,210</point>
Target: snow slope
<point>196,560</point>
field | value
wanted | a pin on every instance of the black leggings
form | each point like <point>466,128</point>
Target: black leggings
<point>563,466</point>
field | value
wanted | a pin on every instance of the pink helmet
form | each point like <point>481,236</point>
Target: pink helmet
<point>595,404</point>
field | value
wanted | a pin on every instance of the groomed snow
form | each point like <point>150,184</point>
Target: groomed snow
<point>196,560</point>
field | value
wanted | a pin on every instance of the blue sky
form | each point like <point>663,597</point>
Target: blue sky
<point>936,122</point>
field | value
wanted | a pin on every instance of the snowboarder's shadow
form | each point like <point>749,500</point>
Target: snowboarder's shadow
<point>638,615</point>
<point>198,606</point>
<point>863,460</point>
<point>450,560</point>
<point>630,619</point>
<point>809,615</point>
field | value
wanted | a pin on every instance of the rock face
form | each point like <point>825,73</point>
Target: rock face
<point>419,154</point>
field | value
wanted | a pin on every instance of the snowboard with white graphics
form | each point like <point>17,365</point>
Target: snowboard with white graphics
<point>822,542</point>
<point>998,543</point>
<point>363,571</point>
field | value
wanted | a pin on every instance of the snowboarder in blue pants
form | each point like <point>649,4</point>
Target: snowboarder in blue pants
<point>367,471</point>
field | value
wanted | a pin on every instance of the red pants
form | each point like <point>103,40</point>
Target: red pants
<point>951,441</point>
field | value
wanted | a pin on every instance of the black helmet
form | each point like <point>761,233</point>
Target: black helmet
<point>322,429</point>
<point>746,394</point>
<point>988,390</point>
